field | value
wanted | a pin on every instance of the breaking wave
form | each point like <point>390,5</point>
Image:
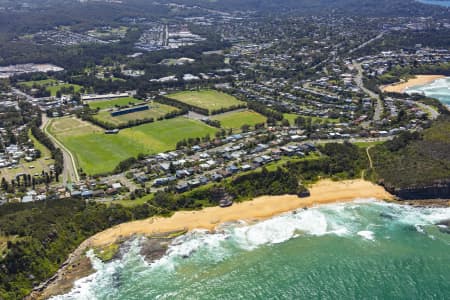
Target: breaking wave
<point>365,220</point>
<point>439,89</point>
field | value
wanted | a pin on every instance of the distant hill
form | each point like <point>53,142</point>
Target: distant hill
<point>350,7</point>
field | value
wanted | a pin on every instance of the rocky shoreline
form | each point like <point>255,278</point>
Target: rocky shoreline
<point>78,265</point>
<point>155,244</point>
<point>436,191</point>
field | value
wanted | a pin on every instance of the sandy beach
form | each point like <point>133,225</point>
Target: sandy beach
<point>417,80</point>
<point>323,192</point>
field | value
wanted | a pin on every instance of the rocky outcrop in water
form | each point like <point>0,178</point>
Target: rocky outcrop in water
<point>444,226</point>
<point>154,248</point>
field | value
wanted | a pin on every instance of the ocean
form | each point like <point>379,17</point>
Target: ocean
<point>436,2</point>
<point>357,250</point>
<point>439,89</point>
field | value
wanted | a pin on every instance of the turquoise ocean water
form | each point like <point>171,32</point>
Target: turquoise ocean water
<point>357,250</point>
<point>439,89</point>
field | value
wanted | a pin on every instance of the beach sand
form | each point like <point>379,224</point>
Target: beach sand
<point>417,80</point>
<point>323,192</point>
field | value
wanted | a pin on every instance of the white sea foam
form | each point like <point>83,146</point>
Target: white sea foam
<point>84,288</point>
<point>441,83</point>
<point>280,229</point>
<point>188,244</point>
<point>367,234</point>
<point>422,216</point>
<point>361,218</point>
<point>419,228</point>
<point>88,287</point>
<point>342,219</point>
<point>438,89</point>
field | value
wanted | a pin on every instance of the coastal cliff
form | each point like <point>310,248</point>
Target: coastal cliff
<point>435,191</point>
<point>416,165</point>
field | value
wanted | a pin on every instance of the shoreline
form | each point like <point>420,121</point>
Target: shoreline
<point>78,265</point>
<point>400,87</point>
<point>261,208</point>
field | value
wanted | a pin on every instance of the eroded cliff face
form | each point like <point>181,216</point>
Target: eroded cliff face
<point>435,191</point>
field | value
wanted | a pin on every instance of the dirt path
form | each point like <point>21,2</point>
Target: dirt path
<point>368,156</point>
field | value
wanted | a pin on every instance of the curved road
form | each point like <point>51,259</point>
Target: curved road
<point>379,108</point>
<point>433,113</point>
<point>70,172</point>
<point>20,93</point>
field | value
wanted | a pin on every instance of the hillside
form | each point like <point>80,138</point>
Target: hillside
<point>321,7</point>
<point>416,165</point>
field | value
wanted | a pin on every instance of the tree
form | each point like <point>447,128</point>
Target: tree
<point>245,128</point>
<point>285,123</point>
<point>300,122</point>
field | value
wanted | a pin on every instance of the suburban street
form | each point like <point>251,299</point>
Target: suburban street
<point>359,81</point>
<point>20,93</point>
<point>431,110</point>
<point>70,172</point>
<point>368,42</point>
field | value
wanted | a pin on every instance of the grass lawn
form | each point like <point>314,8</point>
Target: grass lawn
<point>367,144</point>
<point>136,202</point>
<point>97,152</point>
<point>284,159</point>
<point>37,145</point>
<point>291,118</point>
<point>55,88</point>
<point>53,85</point>
<point>45,82</point>
<point>156,110</point>
<point>235,120</point>
<point>207,99</point>
<point>33,168</point>
<point>103,104</point>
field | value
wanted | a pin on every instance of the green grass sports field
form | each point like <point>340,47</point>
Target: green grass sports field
<point>111,103</point>
<point>97,152</point>
<point>235,120</point>
<point>208,99</point>
<point>52,85</point>
<point>156,110</point>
